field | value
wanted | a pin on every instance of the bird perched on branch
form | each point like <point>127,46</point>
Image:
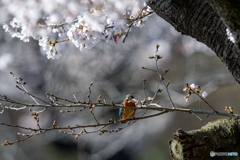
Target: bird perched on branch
<point>128,113</point>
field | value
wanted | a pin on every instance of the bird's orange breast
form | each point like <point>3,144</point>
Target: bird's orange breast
<point>128,113</point>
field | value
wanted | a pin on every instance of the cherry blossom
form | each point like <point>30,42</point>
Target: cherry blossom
<point>194,89</point>
<point>193,86</point>
<point>204,94</point>
<point>84,23</point>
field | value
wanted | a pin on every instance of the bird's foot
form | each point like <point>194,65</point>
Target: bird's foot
<point>125,120</point>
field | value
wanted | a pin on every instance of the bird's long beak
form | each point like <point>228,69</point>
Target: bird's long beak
<point>134,100</point>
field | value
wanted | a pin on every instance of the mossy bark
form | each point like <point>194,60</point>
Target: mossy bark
<point>218,136</point>
<point>207,21</point>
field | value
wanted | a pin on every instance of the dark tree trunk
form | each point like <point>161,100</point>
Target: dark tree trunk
<point>207,21</point>
<point>218,136</point>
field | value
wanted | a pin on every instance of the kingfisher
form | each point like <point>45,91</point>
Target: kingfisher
<point>125,114</point>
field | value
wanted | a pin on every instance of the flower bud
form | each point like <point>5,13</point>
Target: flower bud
<point>204,94</point>
<point>99,98</point>
<point>76,137</point>
<point>54,123</point>
<point>168,83</point>
<point>192,86</point>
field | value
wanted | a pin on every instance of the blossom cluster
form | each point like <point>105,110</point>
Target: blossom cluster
<point>49,47</point>
<point>229,109</point>
<point>13,29</point>
<point>194,89</point>
<point>143,15</point>
<point>84,23</point>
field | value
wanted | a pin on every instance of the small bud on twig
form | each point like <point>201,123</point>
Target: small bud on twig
<point>112,102</point>
<point>158,57</point>
<point>168,83</point>
<point>54,123</point>
<point>157,46</point>
<point>99,98</point>
<point>166,70</point>
<point>110,120</point>
<point>76,137</point>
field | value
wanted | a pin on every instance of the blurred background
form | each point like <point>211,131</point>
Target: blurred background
<point>116,70</point>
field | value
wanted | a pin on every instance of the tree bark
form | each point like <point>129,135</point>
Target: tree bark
<point>218,136</point>
<point>207,21</point>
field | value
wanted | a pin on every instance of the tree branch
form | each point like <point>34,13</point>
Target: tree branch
<point>218,136</point>
<point>199,20</point>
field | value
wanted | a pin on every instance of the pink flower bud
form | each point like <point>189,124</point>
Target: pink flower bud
<point>186,98</point>
<point>76,137</point>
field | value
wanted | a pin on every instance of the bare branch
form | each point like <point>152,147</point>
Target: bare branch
<point>2,108</point>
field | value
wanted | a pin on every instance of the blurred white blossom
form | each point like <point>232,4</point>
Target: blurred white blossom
<point>204,94</point>
<point>84,23</point>
<point>5,60</point>
<point>192,86</point>
<point>13,30</point>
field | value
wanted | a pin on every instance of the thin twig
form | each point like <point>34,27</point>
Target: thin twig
<point>2,108</point>
<point>91,110</point>
<point>156,91</point>
<point>63,99</point>
<point>147,15</point>
<point>31,95</point>
<point>78,126</point>
<point>62,41</point>
<point>203,100</point>
<point>149,69</point>
<point>161,79</point>
<point>162,112</point>
<point>75,97</point>
<point>57,25</point>
<point>152,106</point>
<point>129,27</point>
<point>200,106</point>
<point>199,118</point>
<point>89,92</point>
<point>74,110</point>
<point>21,140</point>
